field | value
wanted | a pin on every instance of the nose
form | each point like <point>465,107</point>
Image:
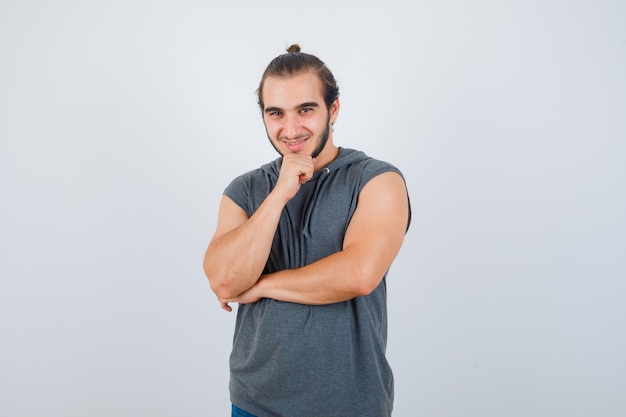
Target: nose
<point>290,128</point>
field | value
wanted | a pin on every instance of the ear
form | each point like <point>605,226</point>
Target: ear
<point>334,110</point>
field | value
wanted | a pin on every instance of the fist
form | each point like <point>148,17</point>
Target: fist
<point>294,171</point>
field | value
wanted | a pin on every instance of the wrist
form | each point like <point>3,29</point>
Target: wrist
<point>262,288</point>
<point>279,198</point>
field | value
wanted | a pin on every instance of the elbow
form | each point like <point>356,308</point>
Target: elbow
<point>365,288</point>
<point>368,279</point>
<point>223,292</point>
<point>219,286</point>
<point>216,284</point>
<point>222,284</point>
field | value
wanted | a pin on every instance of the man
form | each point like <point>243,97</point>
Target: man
<point>303,244</point>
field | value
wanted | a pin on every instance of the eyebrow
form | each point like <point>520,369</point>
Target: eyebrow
<point>300,106</point>
<point>308,104</point>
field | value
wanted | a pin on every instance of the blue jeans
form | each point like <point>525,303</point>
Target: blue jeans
<point>238,412</point>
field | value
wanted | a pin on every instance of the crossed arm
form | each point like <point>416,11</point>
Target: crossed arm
<point>240,247</point>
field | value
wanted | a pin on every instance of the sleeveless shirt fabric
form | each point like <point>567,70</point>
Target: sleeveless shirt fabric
<point>296,360</point>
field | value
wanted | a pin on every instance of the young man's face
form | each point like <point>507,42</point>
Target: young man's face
<point>295,115</point>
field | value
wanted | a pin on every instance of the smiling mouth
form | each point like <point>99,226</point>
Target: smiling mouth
<point>295,145</point>
<point>293,142</point>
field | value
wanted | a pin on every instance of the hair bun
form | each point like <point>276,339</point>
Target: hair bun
<point>295,48</point>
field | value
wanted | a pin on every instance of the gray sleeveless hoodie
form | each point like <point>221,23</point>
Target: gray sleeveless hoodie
<point>295,360</point>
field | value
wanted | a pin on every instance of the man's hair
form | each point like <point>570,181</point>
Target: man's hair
<point>295,62</point>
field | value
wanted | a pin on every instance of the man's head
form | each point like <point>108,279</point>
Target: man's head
<point>299,100</point>
<point>295,62</point>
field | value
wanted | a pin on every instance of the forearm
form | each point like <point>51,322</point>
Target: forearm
<point>338,277</point>
<point>234,261</point>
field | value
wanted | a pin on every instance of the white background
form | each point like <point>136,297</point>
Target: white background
<point>122,121</point>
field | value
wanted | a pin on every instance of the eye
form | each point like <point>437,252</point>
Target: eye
<point>306,110</point>
<point>275,113</point>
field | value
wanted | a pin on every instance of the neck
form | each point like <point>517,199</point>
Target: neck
<point>328,155</point>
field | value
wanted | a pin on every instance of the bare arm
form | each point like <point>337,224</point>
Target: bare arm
<point>372,241</point>
<point>238,251</point>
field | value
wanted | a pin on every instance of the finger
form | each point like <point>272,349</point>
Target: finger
<point>225,306</point>
<point>306,173</point>
<point>306,176</point>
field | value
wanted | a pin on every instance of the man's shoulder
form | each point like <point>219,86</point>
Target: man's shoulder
<point>357,158</point>
<point>268,170</point>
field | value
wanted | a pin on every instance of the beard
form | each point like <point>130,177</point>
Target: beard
<point>323,138</point>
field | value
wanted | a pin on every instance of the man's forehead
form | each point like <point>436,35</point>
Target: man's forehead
<point>302,87</point>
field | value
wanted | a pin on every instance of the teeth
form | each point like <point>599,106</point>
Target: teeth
<point>294,142</point>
